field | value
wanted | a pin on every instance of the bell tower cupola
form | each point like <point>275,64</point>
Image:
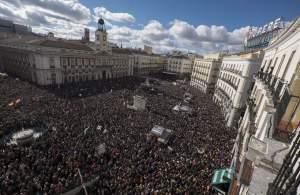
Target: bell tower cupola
<point>101,25</point>
<point>101,36</point>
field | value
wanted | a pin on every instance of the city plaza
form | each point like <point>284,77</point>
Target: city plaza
<point>133,161</point>
<point>89,117</point>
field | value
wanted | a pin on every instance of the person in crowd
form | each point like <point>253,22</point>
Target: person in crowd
<point>133,162</point>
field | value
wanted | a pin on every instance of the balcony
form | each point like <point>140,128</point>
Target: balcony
<point>287,179</point>
<point>270,81</point>
<point>280,95</point>
<point>223,94</point>
<point>232,70</point>
<point>229,83</point>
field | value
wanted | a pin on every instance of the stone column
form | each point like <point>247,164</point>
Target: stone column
<point>232,116</point>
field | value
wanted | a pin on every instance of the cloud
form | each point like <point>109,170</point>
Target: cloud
<point>7,10</point>
<point>68,18</point>
<point>154,31</point>
<point>237,36</point>
<point>205,38</point>
<point>113,17</point>
<point>70,10</point>
<point>183,30</point>
<point>122,34</point>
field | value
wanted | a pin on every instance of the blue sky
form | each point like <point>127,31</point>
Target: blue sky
<point>203,26</point>
<point>230,13</point>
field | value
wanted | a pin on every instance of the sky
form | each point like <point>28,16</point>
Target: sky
<point>202,26</point>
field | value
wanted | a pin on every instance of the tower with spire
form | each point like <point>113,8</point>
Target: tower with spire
<point>101,36</point>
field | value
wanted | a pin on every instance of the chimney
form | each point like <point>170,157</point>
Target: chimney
<point>86,36</point>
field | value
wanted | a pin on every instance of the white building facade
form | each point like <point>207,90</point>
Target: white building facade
<point>234,80</point>
<point>53,61</point>
<point>180,64</point>
<point>271,117</point>
<point>146,63</point>
<point>205,73</point>
<point>125,68</point>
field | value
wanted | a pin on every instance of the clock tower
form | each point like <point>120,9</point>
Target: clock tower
<point>101,36</point>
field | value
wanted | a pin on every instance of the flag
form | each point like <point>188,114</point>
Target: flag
<point>18,101</point>
<point>101,149</point>
<point>15,102</point>
<point>85,130</point>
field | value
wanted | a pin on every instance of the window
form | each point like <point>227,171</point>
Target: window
<point>247,172</point>
<point>272,68</point>
<point>92,61</point>
<point>51,62</point>
<point>279,67</point>
<point>79,61</point>
<point>72,61</point>
<point>65,62</point>
<point>288,64</point>
<point>53,76</point>
<point>267,69</point>
<point>296,72</point>
<point>264,65</point>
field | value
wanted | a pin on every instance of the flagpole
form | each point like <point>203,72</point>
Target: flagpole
<point>82,184</point>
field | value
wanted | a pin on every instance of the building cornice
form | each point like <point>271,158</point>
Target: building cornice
<point>294,28</point>
<point>208,60</point>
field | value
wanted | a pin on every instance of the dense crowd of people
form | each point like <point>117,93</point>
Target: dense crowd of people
<point>133,162</point>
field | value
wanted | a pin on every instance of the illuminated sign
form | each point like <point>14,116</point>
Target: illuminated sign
<point>274,25</point>
<point>260,37</point>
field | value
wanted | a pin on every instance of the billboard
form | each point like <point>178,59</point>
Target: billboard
<point>260,37</point>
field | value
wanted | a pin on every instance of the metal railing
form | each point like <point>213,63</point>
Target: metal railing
<point>280,95</point>
<point>288,178</point>
<point>222,93</point>
<point>271,82</point>
<point>229,83</point>
<point>235,71</point>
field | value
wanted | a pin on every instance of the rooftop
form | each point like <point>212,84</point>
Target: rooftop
<point>215,56</point>
<point>179,57</point>
<point>266,170</point>
<point>253,55</point>
<point>62,44</point>
<point>44,42</point>
<point>121,51</point>
<point>260,180</point>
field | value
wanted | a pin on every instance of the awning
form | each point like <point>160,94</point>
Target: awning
<point>221,176</point>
